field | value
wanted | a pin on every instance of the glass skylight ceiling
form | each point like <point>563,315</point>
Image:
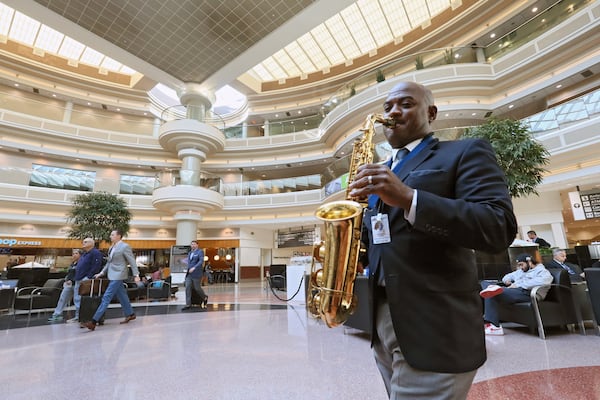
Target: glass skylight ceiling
<point>357,30</point>
<point>23,29</point>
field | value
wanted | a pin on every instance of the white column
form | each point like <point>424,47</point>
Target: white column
<point>68,112</point>
<point>480,55</point>
<point>266,130</point>
<point>244,130</point>
<point>191,162</point>
<point>156,127</point>
<point>187,227</point>
<point>560,236</point>
<point>198,101</point>
<point>524,230</point>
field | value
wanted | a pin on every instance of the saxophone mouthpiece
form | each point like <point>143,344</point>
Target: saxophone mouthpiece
<point>389,122</point>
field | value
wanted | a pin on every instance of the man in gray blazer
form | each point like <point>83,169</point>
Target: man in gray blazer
<point>119,256</point>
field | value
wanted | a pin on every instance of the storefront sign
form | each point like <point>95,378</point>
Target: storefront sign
<point>16,242</point>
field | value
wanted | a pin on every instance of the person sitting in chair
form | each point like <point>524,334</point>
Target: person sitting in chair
<point>559,260</point>
<point>208,273</point>
<point>519,283</point>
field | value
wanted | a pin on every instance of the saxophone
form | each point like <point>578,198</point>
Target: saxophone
<point>331,295</point>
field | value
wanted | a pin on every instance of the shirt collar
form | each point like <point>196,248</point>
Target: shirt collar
<point>410,147</point>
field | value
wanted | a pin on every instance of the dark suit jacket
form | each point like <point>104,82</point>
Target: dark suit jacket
<point>430,270</point>
<point>574,278</point>
<point>542,243</point>
<point>195,260</point>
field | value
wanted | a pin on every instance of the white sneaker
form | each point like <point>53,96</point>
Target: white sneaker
<point>492,330</point>
<point>491,291</point>
<point>73,320</point>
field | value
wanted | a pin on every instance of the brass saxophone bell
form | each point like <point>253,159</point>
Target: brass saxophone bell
<point>333,272</point>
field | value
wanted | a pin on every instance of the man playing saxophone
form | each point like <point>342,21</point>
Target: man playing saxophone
<point>436,204</point>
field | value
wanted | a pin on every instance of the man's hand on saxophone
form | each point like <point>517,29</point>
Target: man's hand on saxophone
<point>378,179</point>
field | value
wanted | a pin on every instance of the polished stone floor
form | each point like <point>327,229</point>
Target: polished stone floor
<point>251,344</point>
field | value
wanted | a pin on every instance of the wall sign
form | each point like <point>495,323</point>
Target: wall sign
<point>296,238</point>
<point>585,204</point>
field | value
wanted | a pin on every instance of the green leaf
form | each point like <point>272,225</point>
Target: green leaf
<point>96,215</point>
<point>521,157</point>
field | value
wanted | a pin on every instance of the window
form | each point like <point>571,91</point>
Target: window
<point>62,178</point>
<point>133,184</point>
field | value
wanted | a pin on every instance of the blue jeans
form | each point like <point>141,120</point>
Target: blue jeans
<point>77,296</point>
<point>115,288</point>
<point>65,296</point>
<point>508,296</point>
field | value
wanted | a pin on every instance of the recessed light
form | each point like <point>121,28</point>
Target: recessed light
<point>493,35</point>
<point>89,104</point>
<point>534,9</point>
<point>53,94</point>
<point>474,114</point>
<point>446,115</point>
<point>511,106</point>
<point>16,85</point>
<point>558,86</point>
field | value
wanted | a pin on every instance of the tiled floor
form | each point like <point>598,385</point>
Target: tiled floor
<point>251,345</point>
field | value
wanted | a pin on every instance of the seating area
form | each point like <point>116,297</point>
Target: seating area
<point>38,297</point>
<point>29,276</point>
<point>7,294</point>
<point>159,290</point>
<point>592,276</point>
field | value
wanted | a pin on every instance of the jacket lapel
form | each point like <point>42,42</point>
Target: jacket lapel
<point>415,161</point>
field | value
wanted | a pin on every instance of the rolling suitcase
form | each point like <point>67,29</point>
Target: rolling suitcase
<point>196,299</point>
<point>90,303</point>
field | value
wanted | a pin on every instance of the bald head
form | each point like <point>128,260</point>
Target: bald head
<point>411,106</point>
<point>88,243</point>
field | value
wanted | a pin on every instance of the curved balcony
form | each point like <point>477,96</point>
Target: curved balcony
<point>179,198</point>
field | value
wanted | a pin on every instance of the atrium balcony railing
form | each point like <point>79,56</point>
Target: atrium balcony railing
<point>180,111</point>
<point>331,180</point>
<point>520,35</point>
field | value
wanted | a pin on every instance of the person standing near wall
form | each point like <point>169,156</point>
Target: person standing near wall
<point>533,237</point>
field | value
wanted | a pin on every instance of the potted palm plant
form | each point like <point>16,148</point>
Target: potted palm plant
<point>521,157</point>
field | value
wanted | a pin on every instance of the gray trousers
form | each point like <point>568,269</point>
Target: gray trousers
<point>405,382</point>
<point>193,284</point>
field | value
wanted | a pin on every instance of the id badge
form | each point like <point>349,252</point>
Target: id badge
<point>380,228</point>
